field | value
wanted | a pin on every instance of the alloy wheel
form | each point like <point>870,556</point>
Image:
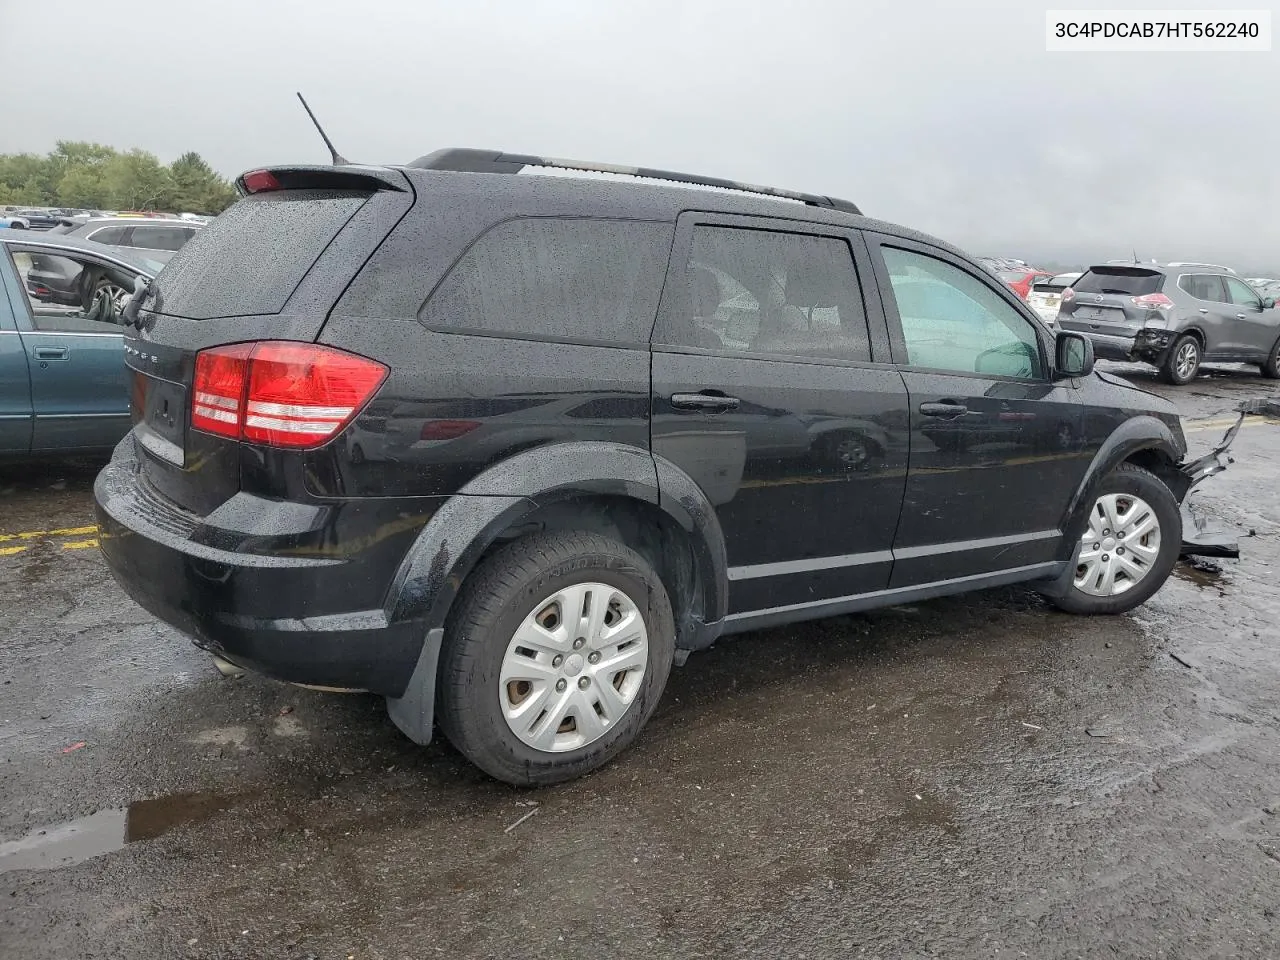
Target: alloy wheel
<point>1187,360</point>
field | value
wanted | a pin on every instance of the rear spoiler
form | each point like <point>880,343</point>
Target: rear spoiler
<point>350,177</point>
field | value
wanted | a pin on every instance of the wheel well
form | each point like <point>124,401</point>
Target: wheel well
<point>1163,466</point>
<point>643,527</point>
<point>1198,334</point>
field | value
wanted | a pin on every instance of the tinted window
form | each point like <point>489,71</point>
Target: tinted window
<point>72,294</point>
<point>766,292</point>
<point>108,235</point>
<point>1128,281</point>
<point>159,238</point>
<point>253,256</point>
<point>1203,286</point>
<point>1241,293</point>
<point>570,279</point>
<point>951,320</point>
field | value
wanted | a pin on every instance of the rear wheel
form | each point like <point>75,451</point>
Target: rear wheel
<point>558,652</point>
<point>1129,547</point>
<point>1183,362</point>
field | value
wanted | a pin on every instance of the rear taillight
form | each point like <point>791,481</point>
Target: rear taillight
<point>1068,295</point>
<point>280,394</point>
<point>447,429</point>
<point>1152,301</point>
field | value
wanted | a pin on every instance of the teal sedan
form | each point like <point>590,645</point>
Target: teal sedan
<point>62,372</point>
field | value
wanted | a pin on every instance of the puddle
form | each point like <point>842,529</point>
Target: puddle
<point>1203,573</point>
<point>76,841</point>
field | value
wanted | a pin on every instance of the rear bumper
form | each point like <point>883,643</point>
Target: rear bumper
<point>1149,344</point>
<point>221,598</point>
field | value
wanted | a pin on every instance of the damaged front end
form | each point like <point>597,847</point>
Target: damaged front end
<point>1200,536</point>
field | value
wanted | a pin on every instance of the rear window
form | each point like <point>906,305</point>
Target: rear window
<point>1126,281</point>
<point>251,258</point>
<point>573,279</point>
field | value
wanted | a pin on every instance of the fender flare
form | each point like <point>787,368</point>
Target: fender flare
<point>1135,434</point>
<point>448,548</point>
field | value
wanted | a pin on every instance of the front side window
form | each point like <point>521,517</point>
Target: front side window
<point>953,321</point>
<point>558,278</point>
<point>1241,293</point>
<point>72,294</point>
<point>762,291</point>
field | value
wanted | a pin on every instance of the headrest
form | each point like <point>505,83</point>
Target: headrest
<point>812,283</point>
<point>704,292</point>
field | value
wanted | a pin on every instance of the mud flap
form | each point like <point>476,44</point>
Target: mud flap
<point>414,711</point>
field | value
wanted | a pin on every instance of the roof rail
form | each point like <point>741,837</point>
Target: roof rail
<point>1194,263</point>
<point>470,160</point>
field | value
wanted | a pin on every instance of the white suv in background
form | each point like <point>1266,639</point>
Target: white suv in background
<point>1046,296</point>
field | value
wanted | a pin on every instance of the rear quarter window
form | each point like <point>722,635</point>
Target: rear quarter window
<point>252,257</point>
<point>1125,281</point>
<point>560,279</point>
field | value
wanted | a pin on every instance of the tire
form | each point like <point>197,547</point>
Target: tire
<point>1134,484</point>
<point>1271,366</point>
<point>517,584</point>
<point>1183,361</point>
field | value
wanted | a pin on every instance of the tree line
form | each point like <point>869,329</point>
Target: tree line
<point>97,177</point>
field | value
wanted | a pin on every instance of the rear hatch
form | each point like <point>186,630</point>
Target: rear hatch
<point>1106,300</point>
<point>267,269</point>
<point>1045,298</point>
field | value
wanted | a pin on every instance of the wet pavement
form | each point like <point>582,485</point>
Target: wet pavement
<point>972,777</point>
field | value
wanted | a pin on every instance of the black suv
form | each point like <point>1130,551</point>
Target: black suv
<point>1173,316</point>
<point>502,448</point>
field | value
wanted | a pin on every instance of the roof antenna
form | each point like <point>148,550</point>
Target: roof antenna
<point>1135,251</point>
<point>338,159</point>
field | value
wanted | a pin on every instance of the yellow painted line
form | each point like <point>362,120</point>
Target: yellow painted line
<point>80,544</point>
<point>10,551</point>
<point>1202,427</point>
<point>64,532</point>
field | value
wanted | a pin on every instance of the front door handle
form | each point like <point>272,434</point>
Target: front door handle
<point>706,401</point>
<point>944,409</point>
<point>52,353</point>
<point>1240,316</point>
<point>1204,309</point>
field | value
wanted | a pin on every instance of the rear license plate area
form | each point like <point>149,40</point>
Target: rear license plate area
<point>160,409</point>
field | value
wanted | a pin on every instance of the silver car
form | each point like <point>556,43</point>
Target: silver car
<point>156,238</point>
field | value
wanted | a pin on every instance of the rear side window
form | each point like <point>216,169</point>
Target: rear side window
<point>761,291</point>
<point>252,257</point>
<point>160,238</point>
<point>109,235</point>
<point>570,279</point>
<point>1124,281</point>
<point>1203,286</point>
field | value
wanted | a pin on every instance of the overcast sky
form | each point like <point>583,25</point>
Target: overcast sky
<point>949,117</point>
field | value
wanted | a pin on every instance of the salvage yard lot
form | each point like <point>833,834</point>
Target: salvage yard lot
<point>971,777</point>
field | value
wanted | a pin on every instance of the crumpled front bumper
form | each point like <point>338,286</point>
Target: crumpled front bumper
<point>1200,536</point>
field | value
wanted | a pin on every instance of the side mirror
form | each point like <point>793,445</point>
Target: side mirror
<point>1073,355</point>
<point>1268,303</point>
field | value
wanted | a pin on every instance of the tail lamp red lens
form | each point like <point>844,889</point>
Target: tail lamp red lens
<point>279,393</point>
<point>1153,301</point>
<point>1068,295</point>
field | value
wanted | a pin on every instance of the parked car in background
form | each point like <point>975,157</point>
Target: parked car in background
<point>14,222</point>
<point>62,373</point>
<point>1045,295</point>
<point>565,494</point>
<point>1266,287</point>
<point>1021,279</point>
<point>1173,316</point>
<point>153,237</point>
<point>38,219</point>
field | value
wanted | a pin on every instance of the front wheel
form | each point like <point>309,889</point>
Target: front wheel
<point>1271,366</point>
<point>1129,548</point>
<point>1183,362</point>
<point>558,652</point>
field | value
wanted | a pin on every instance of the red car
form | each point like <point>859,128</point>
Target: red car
<point>1021,280</point>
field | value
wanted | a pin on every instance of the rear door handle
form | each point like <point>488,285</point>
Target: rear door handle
<point>52,353</point>
<point>944,409</point>
<point>1240,316</point>
<point>1204,309</point>
<point>705,401</point>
